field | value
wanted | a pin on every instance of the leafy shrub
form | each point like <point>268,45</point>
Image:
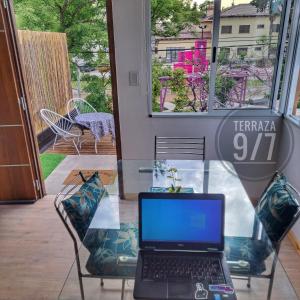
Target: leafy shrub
<point>223,87</point>
<point>158,70</point>
<point>179,86</point>
<point>242,55</point>
<point>223,57</point>
<point>96,89</point>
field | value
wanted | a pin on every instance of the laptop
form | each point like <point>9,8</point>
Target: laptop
<point>181,241</point>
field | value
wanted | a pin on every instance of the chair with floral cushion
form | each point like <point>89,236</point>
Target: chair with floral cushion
<point>277,211</point>
<point>76,207</point>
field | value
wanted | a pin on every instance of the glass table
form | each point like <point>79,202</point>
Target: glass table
<point>110,246</point>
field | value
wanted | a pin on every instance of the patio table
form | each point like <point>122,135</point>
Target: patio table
<point>100,124</point>
<point>115,219</point>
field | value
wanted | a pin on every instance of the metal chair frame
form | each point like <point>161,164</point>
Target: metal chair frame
<point>61,127</point>
<point>66,192</point>
<point>74,110</point>
<point>276,244</point>
<point>179,146</point>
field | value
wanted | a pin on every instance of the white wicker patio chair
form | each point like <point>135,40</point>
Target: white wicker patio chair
<point>77,106</point>
<point>61,127</point>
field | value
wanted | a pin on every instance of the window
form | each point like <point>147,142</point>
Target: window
<point>244,29</point>
<point>226,29</point>
<point>293,110</point>
<point>186,78</point>
<point>275,27</point>
<point>296,102</point>
<point>242,51</point>
<point>225,51</point>
<point>172,54</point>
<point>283,57</point>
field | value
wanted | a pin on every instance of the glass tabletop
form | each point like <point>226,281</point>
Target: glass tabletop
<point>110,247</point>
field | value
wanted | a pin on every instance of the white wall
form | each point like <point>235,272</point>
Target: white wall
<point>137,128</point>
<point>292,169</point>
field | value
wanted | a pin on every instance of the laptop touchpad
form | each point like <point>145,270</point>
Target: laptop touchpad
<point>180,290</point>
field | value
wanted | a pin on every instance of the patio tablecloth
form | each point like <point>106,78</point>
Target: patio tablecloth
<point>100,124</point>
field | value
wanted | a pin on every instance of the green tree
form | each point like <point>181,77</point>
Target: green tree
<point>96,89</point>
<point>261,5</point>
<point>270,6</point>
<point>158,70</point>
<point>223,87</point>
<point>169,17</point>
<point>223,56</point>
<point>180,88</point>
<point>83,21</point>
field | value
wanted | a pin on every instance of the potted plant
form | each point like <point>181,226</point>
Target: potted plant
<point>160,169</point>
<point>174,177</point>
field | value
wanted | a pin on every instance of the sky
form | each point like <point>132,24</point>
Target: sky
<point>226,3</point>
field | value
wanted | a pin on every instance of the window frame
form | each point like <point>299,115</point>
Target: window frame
<point>260,26</point>
<point>244,26</point>
<point>226,51</point>
<point>291,70</point>
<point>173,50</point>
<point>247,112</point>
<point>284,24</point>
<point>277,28</point>
<point>287,76</point>
<point>240,49</point>
<point>226,26</point>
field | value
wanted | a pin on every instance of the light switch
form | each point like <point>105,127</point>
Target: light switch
<point>133,78</point>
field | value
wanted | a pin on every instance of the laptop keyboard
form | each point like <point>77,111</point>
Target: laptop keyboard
<point>205,269</point>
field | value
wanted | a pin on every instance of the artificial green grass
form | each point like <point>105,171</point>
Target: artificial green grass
<point>50,162</point>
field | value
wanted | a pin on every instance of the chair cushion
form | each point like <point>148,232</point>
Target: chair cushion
<point>112,244</point>
<point>93,186</point>
<point>82,205</point>
<point>249,250</point>
<point>277,207</point>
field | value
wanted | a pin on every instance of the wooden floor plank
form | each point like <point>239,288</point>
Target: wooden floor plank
<point>104,147</point>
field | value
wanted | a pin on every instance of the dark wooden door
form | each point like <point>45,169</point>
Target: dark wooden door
<point>20,178</point>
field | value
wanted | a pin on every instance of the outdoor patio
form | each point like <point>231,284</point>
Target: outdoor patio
<point>104,159</point>
<point>104,147</point>
<point>57,179</point>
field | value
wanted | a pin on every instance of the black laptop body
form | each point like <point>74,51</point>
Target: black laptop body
<point>181,241</point>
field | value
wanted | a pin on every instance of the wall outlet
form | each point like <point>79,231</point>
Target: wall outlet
<point>133,78</point>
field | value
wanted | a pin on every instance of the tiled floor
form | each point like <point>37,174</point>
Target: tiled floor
<point>36,251</point>
<point>282,288</point>
<point>36,254</point>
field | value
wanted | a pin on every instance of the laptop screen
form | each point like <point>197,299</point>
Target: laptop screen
<point>181,221</point>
